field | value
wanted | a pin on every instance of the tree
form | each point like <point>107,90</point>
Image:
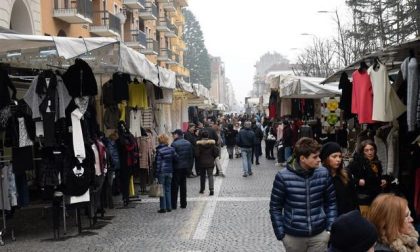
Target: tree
<point>317,60</point>
<point>196,56</point>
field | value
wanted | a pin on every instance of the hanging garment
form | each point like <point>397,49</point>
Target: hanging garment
<point>286,107</point>
<point>146,150</point>
<point>386,104</point>
<point>97,162</point>
<point>80,80</point>
<point>137,95</point>
<point>108,94</point>
<point>346,95</point>
<point>12,186</point>
<point>37,92</point>
<point>362,98</point>
<point>120,84</point>
<point>386,140</point>
<point>77,134</point>
<point>5,84</point>
<point>122,107</point>
<point>111,117</point>
<point>410,72</point>
<point>22,159</point>
<point>4,190</point>
<point>135,122</point>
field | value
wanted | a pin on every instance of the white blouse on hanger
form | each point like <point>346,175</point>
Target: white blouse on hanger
<point>387,106</point>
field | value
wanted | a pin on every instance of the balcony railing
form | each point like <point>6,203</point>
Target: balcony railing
<point>71,11</point>
<point>135,4</point>
<point>150,12</point>
<point>163,24</point>
<point>138,39</point>
<point>173,30</point>
<point>151,48</point>
<point>105,24</point>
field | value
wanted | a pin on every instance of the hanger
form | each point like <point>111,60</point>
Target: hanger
<point>136,81</point>
<point>363,66</point>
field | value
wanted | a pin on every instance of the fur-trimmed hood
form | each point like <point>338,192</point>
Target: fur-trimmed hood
<point>206,141</point>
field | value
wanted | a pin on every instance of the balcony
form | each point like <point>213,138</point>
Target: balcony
<point>150,11</point>
<point>182,3</point>
<point>135,4</point>
<point>169,7</point>
<point>180,70</point>
<point>163,1</point>
<point>152,47</point>
<point>105,24</point>
<point>73,12</point>
<point>163,24</point>
<point>165,55</point>
<point>172,33</point>
<point>138,40</point>
<point>179,19</point>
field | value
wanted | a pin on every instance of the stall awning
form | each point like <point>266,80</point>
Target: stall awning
<point>104,55</point>
<point>308,88</point>
<point>185,86</point>
<point>391,56</point>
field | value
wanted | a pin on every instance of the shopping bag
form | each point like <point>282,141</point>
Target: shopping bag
<point>156,190</point>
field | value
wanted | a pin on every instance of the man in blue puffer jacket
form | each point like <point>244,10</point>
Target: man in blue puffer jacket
<point>303,205</point>
<point>182,166</point>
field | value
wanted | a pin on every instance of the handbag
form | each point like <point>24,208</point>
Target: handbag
<point>156,190</point>
<point>271,137</point>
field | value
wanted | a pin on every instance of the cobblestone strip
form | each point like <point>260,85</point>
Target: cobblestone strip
<point>208,214</point>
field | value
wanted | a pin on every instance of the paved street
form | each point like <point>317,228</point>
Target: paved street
<point>236,218</point>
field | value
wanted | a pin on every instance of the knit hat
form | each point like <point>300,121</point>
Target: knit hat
<point>352,233</point>
<point>328,149</point>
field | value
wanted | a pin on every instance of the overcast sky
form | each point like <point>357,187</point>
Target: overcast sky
<point>241,31</point>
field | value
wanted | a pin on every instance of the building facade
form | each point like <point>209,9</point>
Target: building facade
<point>153,27</point>
<point>218,80</point>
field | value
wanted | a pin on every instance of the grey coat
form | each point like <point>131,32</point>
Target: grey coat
<point>62,99</point>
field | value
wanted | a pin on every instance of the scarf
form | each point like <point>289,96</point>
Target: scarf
<point>406,243</point>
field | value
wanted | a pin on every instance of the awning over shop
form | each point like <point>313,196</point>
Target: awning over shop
<point>391,56</point>
<point>307,87</point>
<point>104,55</point>
<point>183,85</point>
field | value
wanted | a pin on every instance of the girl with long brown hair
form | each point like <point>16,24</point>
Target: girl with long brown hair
<point>345,192</point>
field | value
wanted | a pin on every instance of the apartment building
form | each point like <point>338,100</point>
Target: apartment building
<point>153,27</point>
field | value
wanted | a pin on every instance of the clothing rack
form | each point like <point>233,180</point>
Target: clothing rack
<point>4,230</point>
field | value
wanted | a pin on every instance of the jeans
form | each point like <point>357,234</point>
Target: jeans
<point>287,153</point>
<point>246,160</point>
<point>179,180</point>
<point>166,180</point>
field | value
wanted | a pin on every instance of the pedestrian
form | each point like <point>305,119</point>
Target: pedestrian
<point>367,172</point>
<point>287,140</point>
<point>219,144</point>
<point>352,233</point>
<point>191,137</point>
<point>270,141</point>
<point>230,139</point>
<point>392,218</point>
<point>345,191</point>
<point>185,160</point>
<point>165,158</point>
<point>303,204</point>
<point>246,141</point>
<point>259,135</point>
<point>206,152</point>
<point>237,127</point>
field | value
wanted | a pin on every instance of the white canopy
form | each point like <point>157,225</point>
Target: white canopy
<point>307,87</point>
<point>100,53</point>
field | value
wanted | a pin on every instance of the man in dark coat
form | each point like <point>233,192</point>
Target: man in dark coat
<point>246,141</point>
<point>303,204</point>
<point>185,160</point>
<point>191,136</point>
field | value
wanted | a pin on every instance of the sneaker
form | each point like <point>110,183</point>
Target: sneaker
<point>250,173</point>
<point>257,163</point>
<point>211,193</point>
<point>245,175</point>
<point>162,211</point>
<point>183,207</point>
<point>217,174</point>
<point>168,210</point>
<point>277,164</point>
<point>201,191</point>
